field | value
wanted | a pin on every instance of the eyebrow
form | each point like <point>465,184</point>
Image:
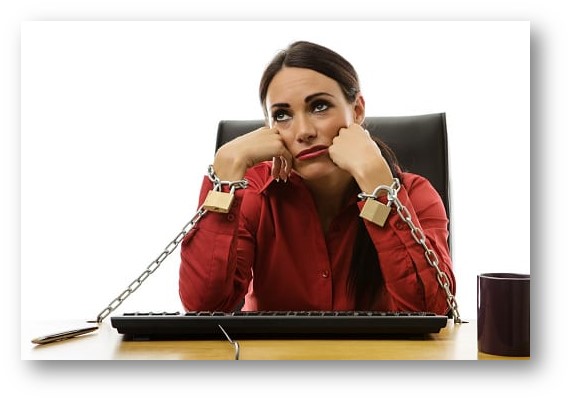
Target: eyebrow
<point>307,99</point>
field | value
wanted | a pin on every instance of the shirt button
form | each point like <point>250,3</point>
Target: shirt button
<point>230,217</point>
<point>325,274</point>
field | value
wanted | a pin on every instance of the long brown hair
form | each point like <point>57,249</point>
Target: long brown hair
<point>365,280</point>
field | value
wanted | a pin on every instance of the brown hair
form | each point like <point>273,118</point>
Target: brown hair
<point>314,57</point>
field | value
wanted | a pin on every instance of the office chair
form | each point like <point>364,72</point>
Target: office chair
<point>419,142</point>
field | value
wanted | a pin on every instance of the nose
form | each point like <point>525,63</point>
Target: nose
<point>304,129</point>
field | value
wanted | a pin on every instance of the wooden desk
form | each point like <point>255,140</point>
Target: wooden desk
<point>454,342</point>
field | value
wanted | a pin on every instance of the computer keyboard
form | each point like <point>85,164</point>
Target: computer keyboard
<point>276,324</point>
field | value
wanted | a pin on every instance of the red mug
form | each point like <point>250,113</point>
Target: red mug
<point>503,314</point>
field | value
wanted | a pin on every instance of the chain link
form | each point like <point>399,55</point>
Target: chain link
<point>218,183</point>
<point>151,268</point>
<point>430,255</point>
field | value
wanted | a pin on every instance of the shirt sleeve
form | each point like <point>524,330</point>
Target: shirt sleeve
<point>217,254</point>
<point>411,282</point>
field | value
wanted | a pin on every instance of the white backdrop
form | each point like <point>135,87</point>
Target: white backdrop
<point>118,123</point>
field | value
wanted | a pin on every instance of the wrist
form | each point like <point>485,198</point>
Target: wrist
<point>228,166</point>
<point>370,175</point>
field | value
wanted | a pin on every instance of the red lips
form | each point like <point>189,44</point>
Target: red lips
<point>312,152</point>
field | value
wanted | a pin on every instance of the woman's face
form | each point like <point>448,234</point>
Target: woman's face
<point>309,109</point>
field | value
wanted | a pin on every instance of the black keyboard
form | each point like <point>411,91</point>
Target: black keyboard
<point>276,324</point>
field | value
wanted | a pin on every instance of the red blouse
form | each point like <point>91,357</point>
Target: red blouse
<point>271,250</point>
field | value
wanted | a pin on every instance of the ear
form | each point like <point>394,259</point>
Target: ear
<point>359,109</point>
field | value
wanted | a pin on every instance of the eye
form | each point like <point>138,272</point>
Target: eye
<point>320,106</point>
<point>280,115</point>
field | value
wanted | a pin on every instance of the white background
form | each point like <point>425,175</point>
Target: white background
<point>549,223</point>
<point>119,122</point>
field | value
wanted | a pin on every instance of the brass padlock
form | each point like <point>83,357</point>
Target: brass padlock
<point>374,211</point>
<point>218,201</point>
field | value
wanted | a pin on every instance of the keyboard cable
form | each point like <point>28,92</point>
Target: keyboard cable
<point>234,343</point>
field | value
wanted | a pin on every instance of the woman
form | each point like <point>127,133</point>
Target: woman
<point>293,239</point>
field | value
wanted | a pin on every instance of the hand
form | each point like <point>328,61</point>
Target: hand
<point>354,151</point>
<point>264,144</point>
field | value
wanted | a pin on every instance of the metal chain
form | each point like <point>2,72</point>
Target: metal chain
<point>393,189</point>
<point>151,268</point>
<point>402,210</point>
<point>420,238</point>
<point>218,183</point>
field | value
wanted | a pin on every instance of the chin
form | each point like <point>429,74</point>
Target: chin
<point>317,170</point>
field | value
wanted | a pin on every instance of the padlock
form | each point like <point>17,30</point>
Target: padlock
<point>218,201</point>
<point>374,211</point>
